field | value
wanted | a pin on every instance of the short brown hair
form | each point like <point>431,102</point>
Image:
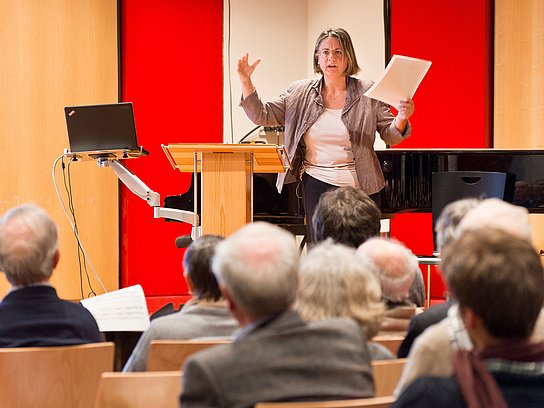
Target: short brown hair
<point>342,35</point>
<point>347,215</point>
<point>500,277</point>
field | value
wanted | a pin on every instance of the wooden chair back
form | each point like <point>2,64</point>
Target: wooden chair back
<point>60,377</point>
<point>392,342</point>
<point>170,355</point>
<point>139,390</point>
<point>376,402</point>
<point>386,375</point>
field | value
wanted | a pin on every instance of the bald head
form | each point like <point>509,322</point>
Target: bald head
<point>396,266</point>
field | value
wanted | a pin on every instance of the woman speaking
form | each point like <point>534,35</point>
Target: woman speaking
<point>330,126</point>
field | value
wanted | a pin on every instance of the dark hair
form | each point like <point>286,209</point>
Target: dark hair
<point>197,264</point>
<point>347,215</point>
<point>342,35</point>
<point>499,276</point>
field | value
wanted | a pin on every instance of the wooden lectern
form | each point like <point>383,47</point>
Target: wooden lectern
<point>226,179</point>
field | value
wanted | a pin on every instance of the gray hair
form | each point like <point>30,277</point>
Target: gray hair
<point>449,219</point>
<point>498,214</point>
<point>334,282</point>
<point>28,245</point>
<point>258,265</point>
<point>396,265</point>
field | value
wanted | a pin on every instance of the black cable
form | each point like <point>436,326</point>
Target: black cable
<point>71,209</point>
<point>81,253</point>
<point>387,29</point>
<point>248,133</point>
<point>82,263</point>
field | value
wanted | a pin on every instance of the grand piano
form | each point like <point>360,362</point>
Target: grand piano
<point>408,178</point>
<point>408,175</point>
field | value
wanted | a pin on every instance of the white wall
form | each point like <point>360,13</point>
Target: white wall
<point>283,34</point>
<point>274,31</point>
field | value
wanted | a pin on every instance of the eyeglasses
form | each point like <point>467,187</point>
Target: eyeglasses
<point>326,53</point>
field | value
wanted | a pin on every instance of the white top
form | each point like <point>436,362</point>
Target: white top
<point>329,157</point>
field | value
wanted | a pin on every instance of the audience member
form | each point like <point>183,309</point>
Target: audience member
<point>498,281</point>
<point>31,314</point>
<point>205,315</point>
<point>275,355</point>
<point>335,282</point>
<point>445,230</point>
<point>396,268</point>
<point>430,353</point>
<point>349,216</point>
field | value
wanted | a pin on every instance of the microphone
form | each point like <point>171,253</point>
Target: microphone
<point>183,241</point>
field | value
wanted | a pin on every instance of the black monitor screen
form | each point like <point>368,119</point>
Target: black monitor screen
<point>101,127</point>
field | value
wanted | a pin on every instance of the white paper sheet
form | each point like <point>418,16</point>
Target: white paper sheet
<point>121,310</point>
<point>400,80</point>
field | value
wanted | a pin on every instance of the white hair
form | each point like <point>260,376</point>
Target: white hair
<point>258,265</point>
<point>396,265</point>
<point>335,282</point>
<point>496,213</point>
<point>28,245</point>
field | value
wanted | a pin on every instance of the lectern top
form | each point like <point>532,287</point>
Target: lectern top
<point>267,158</point>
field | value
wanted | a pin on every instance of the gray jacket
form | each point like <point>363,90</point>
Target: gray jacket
<point>284,359</point>
<point>298,109</point>
<point>191,322</point>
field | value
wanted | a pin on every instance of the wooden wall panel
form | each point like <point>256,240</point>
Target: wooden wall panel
<point>57,53</point>
<point>519,74</point>
<point>519,82</point>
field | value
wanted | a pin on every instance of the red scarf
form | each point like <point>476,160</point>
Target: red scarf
<point>478,386</point>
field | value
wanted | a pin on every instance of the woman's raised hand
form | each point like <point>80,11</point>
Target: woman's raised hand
<point>245,69</point>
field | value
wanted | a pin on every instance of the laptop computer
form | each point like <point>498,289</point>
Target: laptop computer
<point>102,131</point>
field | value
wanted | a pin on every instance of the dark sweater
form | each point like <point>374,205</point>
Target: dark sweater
<point>419,323</point>
<point>35,316</point>
<point>523,391</point>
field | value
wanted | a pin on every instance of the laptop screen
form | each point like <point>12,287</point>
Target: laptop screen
<point>101,128</point>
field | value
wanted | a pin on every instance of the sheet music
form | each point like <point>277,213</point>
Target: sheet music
<point>121,310</point>
<point>400,80</point>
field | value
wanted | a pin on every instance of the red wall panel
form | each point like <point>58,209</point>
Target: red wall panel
<point>171,70</point>
<point>454,101</point>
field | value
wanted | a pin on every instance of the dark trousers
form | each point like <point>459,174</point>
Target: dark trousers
<point>311,192</point>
